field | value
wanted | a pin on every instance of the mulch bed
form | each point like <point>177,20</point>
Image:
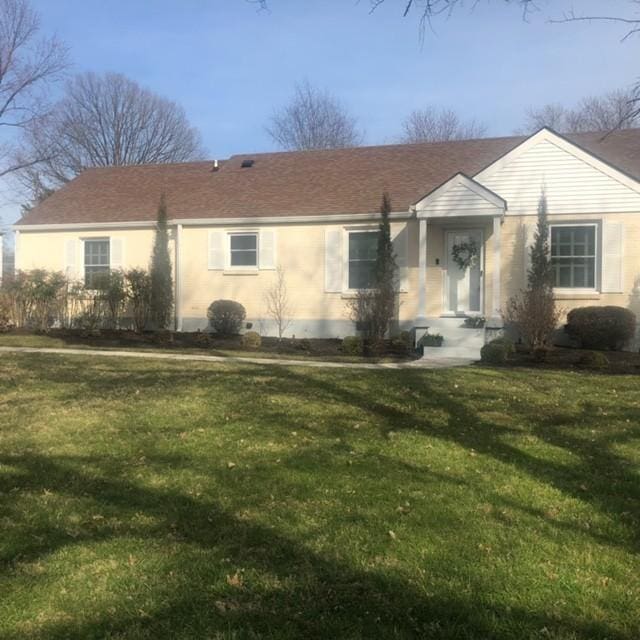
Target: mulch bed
<point>620,362</point>
<point>313,347</point>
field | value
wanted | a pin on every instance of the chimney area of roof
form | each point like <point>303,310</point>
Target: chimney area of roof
<point>247,164</point>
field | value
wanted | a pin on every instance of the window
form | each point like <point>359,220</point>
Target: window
<point>243,249</point>
<point>96,262</point>
<point>573,256</point>
<point>363,249</point>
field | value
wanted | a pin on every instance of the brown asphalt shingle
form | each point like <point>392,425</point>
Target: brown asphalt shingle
<point>341,181</point>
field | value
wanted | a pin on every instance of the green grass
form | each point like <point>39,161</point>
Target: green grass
<point>153,500</point>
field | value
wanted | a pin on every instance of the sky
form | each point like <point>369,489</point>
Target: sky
<point>230,64</point>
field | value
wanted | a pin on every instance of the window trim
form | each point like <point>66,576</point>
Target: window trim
<point>106,239</point>
<point>245,267</point>
<point>347,231</point>
<point>596,224</point>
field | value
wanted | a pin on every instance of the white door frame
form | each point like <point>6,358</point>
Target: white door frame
<point>447,311</point>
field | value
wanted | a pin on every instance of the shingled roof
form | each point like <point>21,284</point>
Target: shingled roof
<point>341,181</point>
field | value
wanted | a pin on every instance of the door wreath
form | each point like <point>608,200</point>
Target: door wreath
<point>465,254</point>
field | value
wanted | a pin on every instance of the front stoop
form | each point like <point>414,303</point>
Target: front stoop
<point>459,341</point>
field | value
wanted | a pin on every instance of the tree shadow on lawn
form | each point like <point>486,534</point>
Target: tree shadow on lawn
<point>310,596</point>
<point>599,477</point>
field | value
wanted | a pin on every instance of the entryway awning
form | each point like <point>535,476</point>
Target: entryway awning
<point>460,196</point>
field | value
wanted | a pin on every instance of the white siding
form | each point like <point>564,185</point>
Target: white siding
<point>571,184</point>
<point>459,200</point>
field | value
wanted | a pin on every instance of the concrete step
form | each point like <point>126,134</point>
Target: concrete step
<point>463,340</point>
<point>455,334</point>
<point>472,353</point>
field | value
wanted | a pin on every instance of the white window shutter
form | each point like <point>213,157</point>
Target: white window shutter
<point>71,258</point>
<point>612,257</point>
<point>400,239</point>
<point>333,260</point>
<point>267,249</point>
<point>116,253</point>
<point>216,249</point>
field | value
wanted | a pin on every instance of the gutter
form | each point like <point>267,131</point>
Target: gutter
<point>212,222</point>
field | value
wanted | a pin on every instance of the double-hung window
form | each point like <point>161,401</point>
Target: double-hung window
<point>96,262</point>
<point>363,248</point>
<point>243,250</point>
<point>573,256</point>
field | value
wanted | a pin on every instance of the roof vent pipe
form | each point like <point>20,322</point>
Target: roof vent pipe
<point>215,166</point>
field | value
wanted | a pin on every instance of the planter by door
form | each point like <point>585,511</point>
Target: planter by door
<point>463,287</point>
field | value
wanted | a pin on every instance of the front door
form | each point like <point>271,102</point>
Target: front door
<point>463,284</point>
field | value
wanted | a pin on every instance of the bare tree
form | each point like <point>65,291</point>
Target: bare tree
<point>595,113</point>
<point>105,120</point>
<point>28,66</point>
<point>278,304</point>
<point>439,125</point>
<point>313,119</point>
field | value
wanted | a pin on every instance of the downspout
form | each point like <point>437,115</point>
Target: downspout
<point>178,249</point>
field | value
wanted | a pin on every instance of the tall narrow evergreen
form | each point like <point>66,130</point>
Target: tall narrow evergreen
<point>161,273</point>
<point>385,257</point>
<point>385,274</point>
<point>540,275</point>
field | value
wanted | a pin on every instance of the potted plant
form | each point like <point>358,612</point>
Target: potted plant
<point>430,340</point>
<point>474,322</point>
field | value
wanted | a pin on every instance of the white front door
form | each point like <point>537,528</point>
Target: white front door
<point>463,287</point>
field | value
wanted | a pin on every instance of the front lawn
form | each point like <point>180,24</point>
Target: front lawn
<point>153,500</point>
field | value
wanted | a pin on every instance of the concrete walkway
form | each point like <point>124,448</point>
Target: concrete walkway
<point>423,363</point>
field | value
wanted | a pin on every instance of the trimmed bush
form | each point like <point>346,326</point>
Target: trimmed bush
<point>593,360</point>
<point>226,317</point>
<point>352,345</point>
<point>251,340</point>
<point>402,344</point>
<point>507,343</point>
<point>602,327</point>
<point>497,351</point>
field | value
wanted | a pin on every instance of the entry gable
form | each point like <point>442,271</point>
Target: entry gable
<point>460,196</point>
<point>573,180</point>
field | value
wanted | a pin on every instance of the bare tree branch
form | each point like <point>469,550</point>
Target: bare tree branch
<point>28,66</point>
<point>104,120</point>
<point>278,304</point>
<point>632,24</point>
<point>313,119</point>
<point>615,110</point>
<point>439,125</point>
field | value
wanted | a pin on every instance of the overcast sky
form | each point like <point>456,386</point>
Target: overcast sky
<point>229,64</point>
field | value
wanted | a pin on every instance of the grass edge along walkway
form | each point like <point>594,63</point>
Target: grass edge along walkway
<point>424,363</point>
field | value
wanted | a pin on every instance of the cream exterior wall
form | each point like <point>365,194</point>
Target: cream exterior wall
<point>300,251</point>
<point>513,261</point>
<point>47,249</point>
